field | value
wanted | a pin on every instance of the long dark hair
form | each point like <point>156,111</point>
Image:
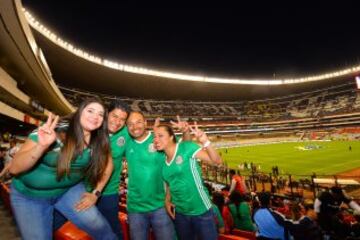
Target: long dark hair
<point>75,143</point>
<point>218,200</point>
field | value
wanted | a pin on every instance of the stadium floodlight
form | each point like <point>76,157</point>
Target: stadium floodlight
<point>177,76</point>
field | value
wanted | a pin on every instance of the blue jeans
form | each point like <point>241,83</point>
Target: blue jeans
<point>201,227</point>
<point>109,208</point>
<point>158,220</point>
<point>34,215</point>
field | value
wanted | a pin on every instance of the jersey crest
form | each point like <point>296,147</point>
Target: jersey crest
<point>151,148</point>
<point>179,160</point>
<point>120,141</point>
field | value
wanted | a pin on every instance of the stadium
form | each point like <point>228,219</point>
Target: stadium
<point>294,136</point>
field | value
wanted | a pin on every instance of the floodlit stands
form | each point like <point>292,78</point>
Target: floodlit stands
<point>336,106</point>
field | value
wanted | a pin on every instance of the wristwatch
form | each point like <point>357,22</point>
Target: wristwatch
<point>96,192</point>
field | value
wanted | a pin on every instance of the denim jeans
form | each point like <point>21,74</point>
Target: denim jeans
<point>34,215</point>
<point>158,220</point>
<point>201,227</point>
<point>109,208</point>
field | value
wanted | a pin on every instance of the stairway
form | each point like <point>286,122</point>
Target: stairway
<point>8,229</point>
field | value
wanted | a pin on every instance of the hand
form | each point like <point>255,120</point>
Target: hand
<point>200,135</point>
<point>46,133</point>
<point>87,200</point>
<point>170,208</point>
<point>182,126</point>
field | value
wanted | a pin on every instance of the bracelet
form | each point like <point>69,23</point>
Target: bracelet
<point>206,144</point>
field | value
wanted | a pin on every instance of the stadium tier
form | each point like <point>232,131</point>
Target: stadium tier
<point>330,107</point>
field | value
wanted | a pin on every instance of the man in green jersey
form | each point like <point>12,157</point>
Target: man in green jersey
<point>146,193</point>
<point>108,203</point>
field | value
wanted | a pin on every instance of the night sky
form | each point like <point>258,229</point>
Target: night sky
<point>257,40</point>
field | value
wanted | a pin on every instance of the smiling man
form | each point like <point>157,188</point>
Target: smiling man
<point>146,194</point>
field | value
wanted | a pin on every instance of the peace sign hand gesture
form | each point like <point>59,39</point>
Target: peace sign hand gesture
<point>183,126</point>
<point>200,135</point>
<point>46,133</point>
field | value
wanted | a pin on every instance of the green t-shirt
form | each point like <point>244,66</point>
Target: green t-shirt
<point>242,218</point>
<point>40,180</point>
<point>146,190</point>
<point>117,142</point>
<point>183,176</point>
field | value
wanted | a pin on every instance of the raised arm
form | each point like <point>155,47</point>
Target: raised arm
<point>208,153</point>
<point>30,152</point>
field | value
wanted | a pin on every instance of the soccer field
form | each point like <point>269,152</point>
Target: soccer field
<point>298,158</point>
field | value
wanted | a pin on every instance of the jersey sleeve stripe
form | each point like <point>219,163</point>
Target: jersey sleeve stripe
<point>198,183</point>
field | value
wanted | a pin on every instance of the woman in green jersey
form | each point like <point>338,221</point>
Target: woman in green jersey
<point>49,174</point>
<point>108,202</point>
<point>239,213</point>
<point>193,217</point>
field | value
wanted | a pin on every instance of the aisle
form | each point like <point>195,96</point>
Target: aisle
<point>8,230</point>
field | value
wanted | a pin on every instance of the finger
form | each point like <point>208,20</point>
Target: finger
<point>192,130</point>
<point>44,130</point>
<point>84,207</point>
<point>157,122</point>
<point>84,204</point>
<point>79,205</point>
<point>168,210</point>
<point>81,208</point>
<point>174,124</point>
<point>81,201</point>
<point>196,126</point>
<point>178,118</point>
<point>54,123</point>
<point>49,120</point>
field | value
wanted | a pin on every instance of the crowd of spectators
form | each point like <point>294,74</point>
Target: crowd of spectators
<point>7,152</point>
<point>332,215</point>
<point>334,100</point>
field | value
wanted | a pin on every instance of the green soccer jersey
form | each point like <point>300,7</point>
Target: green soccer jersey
<point>242,216</point>
<point>183,176</point>
<point>117,141</point>
<point>145,185</point>
<point>41,180</point>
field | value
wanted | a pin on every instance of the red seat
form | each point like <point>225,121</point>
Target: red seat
<point>230,237</point>
<point>70,232</point>
<point>124,225</point>
<point>246,234</point>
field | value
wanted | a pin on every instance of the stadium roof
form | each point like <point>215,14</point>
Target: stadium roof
<point>71,69</point>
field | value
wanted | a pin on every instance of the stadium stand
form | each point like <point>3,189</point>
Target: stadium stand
<point>328,108</point>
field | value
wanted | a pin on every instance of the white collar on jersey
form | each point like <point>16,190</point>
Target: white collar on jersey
<point>146,138</point>
<point>176,149</point>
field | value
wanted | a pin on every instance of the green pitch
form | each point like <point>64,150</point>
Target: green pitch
<point>301,158</point>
